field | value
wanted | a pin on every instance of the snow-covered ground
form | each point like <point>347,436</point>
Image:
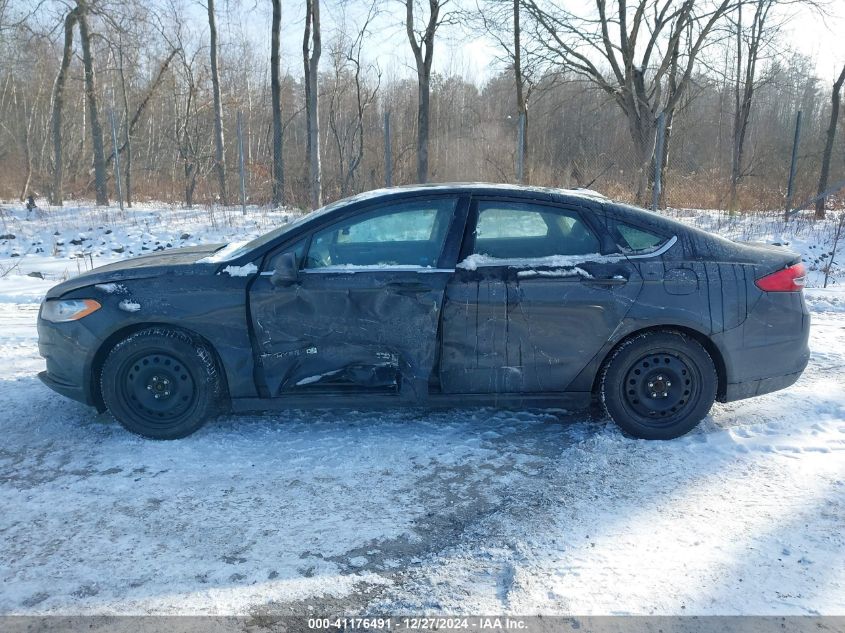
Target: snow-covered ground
<point>460,511</point>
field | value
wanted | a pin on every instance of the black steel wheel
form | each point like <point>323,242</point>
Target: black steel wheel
<point>659,385</point>
<point>160,383</point>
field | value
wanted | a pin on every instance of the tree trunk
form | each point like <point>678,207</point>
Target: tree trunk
<point>423,57</point>
<point>127,135</point>
<point>739,124</point>
<point>521,100</point>
<point>276,89</point>
<point>27,120</point>
<point>56,197</point>
<point>744,88</point>
<point>27,158</point>
<point>100,177</point>
<point>219,148</point>
<point>311,50</point>
<point>190,184</point>
<point>643,133</point>
<point>668,119</point>
<point>423,132</point>
<point>828,146</point>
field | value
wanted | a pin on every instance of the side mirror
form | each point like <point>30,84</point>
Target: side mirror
<point>286,272</point>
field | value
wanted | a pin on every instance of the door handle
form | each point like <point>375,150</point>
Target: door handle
<point>408,286</point>
<point>604,281</point>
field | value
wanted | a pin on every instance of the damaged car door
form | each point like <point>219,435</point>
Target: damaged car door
<point>354,306</point>
<point>539,291</point>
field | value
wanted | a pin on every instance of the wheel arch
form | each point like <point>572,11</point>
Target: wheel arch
<point>94,389</point>
<point>710,347</point>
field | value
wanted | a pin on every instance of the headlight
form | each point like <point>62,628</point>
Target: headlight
<point>68,309</point>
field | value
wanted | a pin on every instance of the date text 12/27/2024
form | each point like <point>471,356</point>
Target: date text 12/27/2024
<point>481,623</point>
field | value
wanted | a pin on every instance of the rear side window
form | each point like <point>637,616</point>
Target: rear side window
<point>517,230</point>
<point>636,240</point>
<point>508,222</point>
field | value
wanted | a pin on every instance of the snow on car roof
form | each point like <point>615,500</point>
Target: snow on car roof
<point>451,186</point>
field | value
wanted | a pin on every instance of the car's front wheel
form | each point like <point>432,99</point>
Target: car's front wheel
<point>161,383</point>
<point>659,385</point>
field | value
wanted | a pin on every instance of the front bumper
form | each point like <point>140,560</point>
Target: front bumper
<point>66,348</point>
<point>69,390</point>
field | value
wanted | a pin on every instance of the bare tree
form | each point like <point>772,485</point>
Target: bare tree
<point>751,42</point>
<point>28,112</point>
<point>145,100</point>
<point>519,82</point>
<point>646,76</point>
<point>577,134</point>
<point>422,45</point>
<point>502,20</point>
<point>829,139</point>
<point>100,177</point>
<point>127,133</point>
<point>58,100</point>
<point>219,147</point>
<point>311,49</point>
<point>351,97</point>
<point>276,97</point>
<point>188,132</point>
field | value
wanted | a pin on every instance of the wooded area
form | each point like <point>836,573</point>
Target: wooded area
<point>713,81</point>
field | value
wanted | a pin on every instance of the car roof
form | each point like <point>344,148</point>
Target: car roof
<point>479,188</point>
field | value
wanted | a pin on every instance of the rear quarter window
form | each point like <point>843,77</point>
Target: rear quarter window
<point>633,239</point>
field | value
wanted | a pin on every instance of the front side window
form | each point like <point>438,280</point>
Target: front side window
<point>516,230</point>
<point>403,234</point>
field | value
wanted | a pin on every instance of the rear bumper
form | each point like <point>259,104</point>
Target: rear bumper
<point>770,350</point>
<point>751,388</point>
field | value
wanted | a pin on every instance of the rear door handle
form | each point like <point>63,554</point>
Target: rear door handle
<point>604,281</point>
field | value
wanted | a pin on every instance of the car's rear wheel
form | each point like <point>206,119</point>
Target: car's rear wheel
<point>659,385</point>
<point>161,383</point>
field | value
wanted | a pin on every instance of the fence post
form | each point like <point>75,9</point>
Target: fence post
<point>520,149</point>
<point>658,161</point>
<point>241,163</point>
<point>388,158</point>
<point>790,186</point>
<point>116,161</point>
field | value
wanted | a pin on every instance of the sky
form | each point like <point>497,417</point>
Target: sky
<point>474,55</point>
<point>821,39</point>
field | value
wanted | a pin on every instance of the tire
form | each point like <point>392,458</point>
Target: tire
<point>659,385</point>
<point>161,383</point>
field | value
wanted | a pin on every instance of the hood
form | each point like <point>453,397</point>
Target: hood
<point>144,266</point>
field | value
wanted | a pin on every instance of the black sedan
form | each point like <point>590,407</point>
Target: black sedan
<point>438,295</point>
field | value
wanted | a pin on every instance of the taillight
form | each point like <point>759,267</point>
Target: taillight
<point>787,280</point>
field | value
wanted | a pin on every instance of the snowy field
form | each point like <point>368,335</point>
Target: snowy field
<point>461,511</point>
